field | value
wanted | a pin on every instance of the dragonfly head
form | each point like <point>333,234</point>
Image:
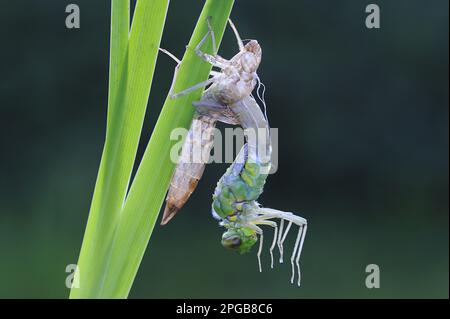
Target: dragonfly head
<point>251,58</point>
<point>239,239</point>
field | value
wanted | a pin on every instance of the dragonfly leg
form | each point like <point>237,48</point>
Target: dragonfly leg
<point>299,221</point>
<point>215,60</point>
<point>268,213</point>
<point>175,73</point>
<point>261,237</point>
<point>297,259</point>
<point>274,225</point>
<point>236,33</point>
<point>214,73</point>
<point>191,89</point>
<point>283,239</point>
<point>280,233</point>
<point>275,213</point>
<point>297,242</point>
<point>195,87</point>
<point>213,37</point>
<point>171,55</point>
<point>273,244</point>
<point>259,231</point>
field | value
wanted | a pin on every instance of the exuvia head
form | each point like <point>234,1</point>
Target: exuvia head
<point>239,239</point>
<point>251,58</point>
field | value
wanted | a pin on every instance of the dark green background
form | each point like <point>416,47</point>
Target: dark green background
<point>363,153</point>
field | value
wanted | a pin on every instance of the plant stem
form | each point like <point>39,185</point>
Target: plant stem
<point>133,60</point>
<point>149,187</point>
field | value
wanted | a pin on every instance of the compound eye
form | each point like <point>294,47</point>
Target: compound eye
<point>232,242</point>
<point>235,242</point>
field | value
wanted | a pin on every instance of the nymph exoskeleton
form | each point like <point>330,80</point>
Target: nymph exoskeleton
<point>236,80</point>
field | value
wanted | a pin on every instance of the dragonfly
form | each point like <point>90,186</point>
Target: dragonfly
<point>235,197</point>
<point>236,80</point>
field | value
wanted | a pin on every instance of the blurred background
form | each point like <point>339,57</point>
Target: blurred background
<point>363,149</point>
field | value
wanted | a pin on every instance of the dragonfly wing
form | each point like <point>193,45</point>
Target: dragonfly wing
<point>211,108</point>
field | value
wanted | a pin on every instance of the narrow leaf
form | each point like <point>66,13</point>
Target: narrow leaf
<point>152,179</point>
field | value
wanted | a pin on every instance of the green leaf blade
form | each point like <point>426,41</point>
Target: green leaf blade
<point>153,177</point>
<point>131,74</point>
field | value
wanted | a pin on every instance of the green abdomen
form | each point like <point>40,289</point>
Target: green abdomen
<point>238,187</point>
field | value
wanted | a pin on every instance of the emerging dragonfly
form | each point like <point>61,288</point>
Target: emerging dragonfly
<point>236,80</point>
<point>229,99</point>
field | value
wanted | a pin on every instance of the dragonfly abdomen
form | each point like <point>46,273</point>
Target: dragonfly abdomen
<point>242,183</point>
